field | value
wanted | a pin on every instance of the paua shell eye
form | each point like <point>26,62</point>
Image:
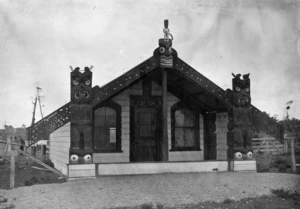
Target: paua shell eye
<point>75,82</point>
<point>238,155</point>
<point>162,50</point>
<point>74,158</point>
<point>249,154</point>
<point>87,82</point>
<point>87,157</point>
<point>238,89</point>
<point>247,89</point>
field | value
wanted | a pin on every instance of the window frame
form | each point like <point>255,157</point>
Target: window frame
<point>178,106</point>
<point>118,109</point>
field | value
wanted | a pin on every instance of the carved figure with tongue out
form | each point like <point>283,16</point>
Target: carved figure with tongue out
<point>81,116</point>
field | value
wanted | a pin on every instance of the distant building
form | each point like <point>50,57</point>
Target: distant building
<point>16,134</point>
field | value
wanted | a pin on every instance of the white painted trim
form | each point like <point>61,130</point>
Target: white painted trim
<point>155,168</point>
<point>246,165</point>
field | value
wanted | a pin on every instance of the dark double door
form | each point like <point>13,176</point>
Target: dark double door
<point>145,129</point>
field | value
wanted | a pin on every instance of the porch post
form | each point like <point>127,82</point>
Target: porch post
<point>165,141</point>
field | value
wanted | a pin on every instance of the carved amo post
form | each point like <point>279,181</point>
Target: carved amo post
<point>81,117</point>
<point>240,120</point>
<point>166,56</point>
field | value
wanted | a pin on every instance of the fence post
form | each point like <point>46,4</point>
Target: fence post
<point>285,146</point>
<point>293,155</point>
<point>12,168</point>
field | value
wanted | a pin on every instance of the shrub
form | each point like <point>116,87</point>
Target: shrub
<point>28,183</point>
<point>34,179</point>
<point>282,167</point>
<point>159,206</point>
<point>262,168</point>
<point>228,201</point>
<point>146,206</point>
<point>285,194</point>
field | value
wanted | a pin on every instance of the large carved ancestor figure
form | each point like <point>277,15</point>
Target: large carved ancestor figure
<point>240,122</point>
<point>81,116</point>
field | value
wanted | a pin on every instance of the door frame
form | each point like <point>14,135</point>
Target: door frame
<point>151,102</point>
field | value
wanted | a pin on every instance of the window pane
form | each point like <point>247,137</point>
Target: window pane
<point>110,117</point>
<point>104,128</point>
<point>189,137</point>
<point>184,118</point>
<point>100,137</point>
<point>179,137</point>
<point>184,137</point>
<point>99,119</point>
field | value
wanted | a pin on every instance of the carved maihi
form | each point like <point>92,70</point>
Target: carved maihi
<point>240,121</point>
<point>81,116</point>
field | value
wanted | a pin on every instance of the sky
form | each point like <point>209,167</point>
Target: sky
<point>39,40</point>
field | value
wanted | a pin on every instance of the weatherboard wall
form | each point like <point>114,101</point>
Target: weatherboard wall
<point>123,99</point>
<point>59,148</point>
<point>221,128</point>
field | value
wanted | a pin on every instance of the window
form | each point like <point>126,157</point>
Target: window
<point>185,128</point>
<point>107,127</point>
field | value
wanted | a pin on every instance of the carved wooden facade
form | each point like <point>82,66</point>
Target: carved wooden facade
<point>196,92</point>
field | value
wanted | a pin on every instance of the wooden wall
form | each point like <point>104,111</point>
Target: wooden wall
<point>59,148</point>
<point>124,100</point>
<point>221,124</point>
<point>182,155</point>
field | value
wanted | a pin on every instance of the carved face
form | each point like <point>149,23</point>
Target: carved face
<point>81,86</point>
<point>166,53</point>
<point>80,158</point>
<point>243,155</point>
<point>241,91</point>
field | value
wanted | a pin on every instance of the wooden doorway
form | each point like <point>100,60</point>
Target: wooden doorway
<point>145,131</point>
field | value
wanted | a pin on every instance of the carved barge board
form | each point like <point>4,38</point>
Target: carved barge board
<point>55,120</point>
<point>61,116</point>
<point>123,81</point>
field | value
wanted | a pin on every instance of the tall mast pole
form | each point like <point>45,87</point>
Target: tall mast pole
<point>33,119</point>
<point>38,96</point>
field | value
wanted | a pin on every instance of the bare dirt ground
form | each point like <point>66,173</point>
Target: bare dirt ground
<point>164,189</point>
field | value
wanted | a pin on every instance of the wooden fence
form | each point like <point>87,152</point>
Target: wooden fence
<point>271,145</point>
<point>268,145</point>
<point>14,150</point>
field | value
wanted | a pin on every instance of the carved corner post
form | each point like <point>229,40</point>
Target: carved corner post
<point>240,120</point>
<point>81,151</point>
<point>166,56</point>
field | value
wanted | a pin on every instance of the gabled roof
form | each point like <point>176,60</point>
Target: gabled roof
<point>183,81</point>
